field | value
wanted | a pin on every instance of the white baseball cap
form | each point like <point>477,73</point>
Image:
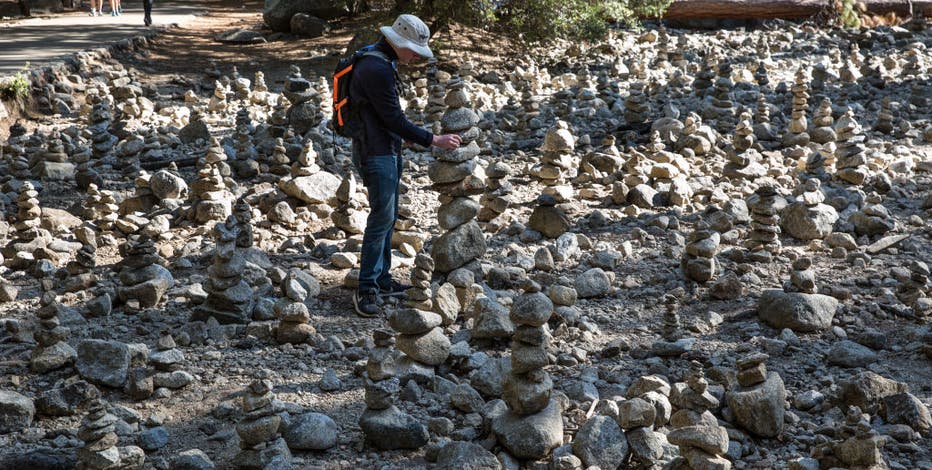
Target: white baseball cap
<point>409,32</point>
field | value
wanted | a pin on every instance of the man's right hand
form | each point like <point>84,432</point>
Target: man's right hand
<point>447,141</point>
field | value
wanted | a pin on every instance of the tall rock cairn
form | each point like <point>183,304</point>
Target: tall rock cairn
<point>527,388</point>
<point>764,238</point>
<point>637,107</point>
<point>53,352</point>
<point>884,123</point>
<point>850,158</point>
<point>702,442</point>
<point>100,451</point>
<point>556,154</point>
<point>455,178</point>
<point>796,129</point>
<point>229,297</point>
<point>699,258</point>
<point>260,441</point>
<point>721,106</point>
<point>419,295</point>
<point>757,399</point>
<point>293,314</point>
<point>420,335</point>
<point>822,133</point>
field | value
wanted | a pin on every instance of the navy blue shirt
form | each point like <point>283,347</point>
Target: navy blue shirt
<point>373,89</point>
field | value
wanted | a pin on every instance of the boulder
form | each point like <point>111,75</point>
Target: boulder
<point>311,431</point>
<point>277,14</point>
<point>458,247</point>
<point>318,188</point>
<point>759,409</point>
<point>600,442</point>
<point>306,25</point>
<point>16,412</point>
<point>466,455</point>
<point>808,223</point>
<point>391,429</point>
<point>103,362</point>
<point>796,311</point>
<point>532,436</point>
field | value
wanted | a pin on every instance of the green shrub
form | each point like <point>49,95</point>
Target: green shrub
<point>16,87</point>
<point>847,13</point>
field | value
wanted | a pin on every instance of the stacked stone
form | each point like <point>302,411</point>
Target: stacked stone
<point>349,215</point>
<point>527,387</point>
<point>99,125</point>
<point>215,156</point>
<point>910,290</point>
<point>760,75</point>
<point>758,396</point>
<point>495,201</point>
<point>677,56</point>
<point>857,445</point>
<point>384,425</point>
<point>242,213</point>
<point>292,312</point>
<point>29,236</point>
<point>699,258</point>
<point>702,442</point>
<point>100,451</point>
<point>809,218</point>
<point>802,278</point>
<point>762,127</point>
<point>704,76</point>
<point>912,66</point>
<point>84,173</point>
<point>101,207</point>
<point>210,198</point>
<point>305,111</point>
<point>260,91</point>
<point>53,163</point>
<point>721,105</point>
<point>436,106</point>
<point>229,297</point>
<point>218,100</point>
<point>143,277</point>
<point>530,110</point>
<point>556,155</point>
<point>637,107</point>
<point>419,295</point>
<point>850,159</point>
<point>765,223</point>
<point>884,123</point>
<point>671,319</point>
<point>241,85</point>
<point>796,129</point>
<point>455,178</point>
<point>743,160</point>
<point>260,442</point>
<point>307,161</point>
<point>245,163</point>
<point>52,352</point>
<point>663,49</point>
<point>278,162</point>
<point>279,117</point>
<point>822,132</point>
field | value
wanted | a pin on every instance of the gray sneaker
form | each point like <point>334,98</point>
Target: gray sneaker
<point>367,304</point>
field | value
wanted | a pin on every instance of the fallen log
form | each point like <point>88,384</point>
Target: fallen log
<point>760,9</point>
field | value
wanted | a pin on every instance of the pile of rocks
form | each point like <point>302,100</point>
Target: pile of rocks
<point>260,442</point>
<point>210,198</point>
<point>721,106</point>
<point>455,177</point>
<point>637,106</point>
<point>278,162</point>
<point>292,312</point>
<point>53,163</point>
<point>699,257</point>
<point>914,291</point>
<point>756,401</point>
<point>304,113</point>
<point>702,442</point>
<point>496,200</point>
<point>796,134</point>
<point>229,297</point>
<point>850,158</point>
<point>100,451</point>
<point>533,425</point>
<point>857,444</point>
<point>419,295</point>
<point>385,426</point>
<point>350,214</point>
<point>809,218</point>
<point>53,351</point>
<point>884,123</point>
<point>143,275</point>
<point>101,207</point>
<point>99,123</point>
<point>557,161</point>
<point>822,126</point>
<point>743,160</point>
<point>798,307</point>
<point>765,205</point>
<point>218,101</point>
<point>29,236</point>
<point>420,335</point>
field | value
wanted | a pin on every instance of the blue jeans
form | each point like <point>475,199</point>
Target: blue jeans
<point>381,175</point>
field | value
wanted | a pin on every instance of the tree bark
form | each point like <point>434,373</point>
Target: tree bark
<point>757,9</point>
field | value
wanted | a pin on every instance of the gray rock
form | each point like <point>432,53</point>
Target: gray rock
<point>532,309</point>
<point>318,188</point>
<point>413,321</point>
<point>759,409</point>
<point>277,13</point>
<point>431,348</point>
<point>457,212</point>
<point>167,185</point>
<point>441,172</point>
<point>593,283</point>
<point>904,408</point>
<point>635,413</point>
<point>646,444</point>
<point>847,353</point>
<point>711,439</point>
<point>103,362</point>
<point>549,220</point>
<point>66,400</point>
<point>306,25</point>
<point>796,311</point>
<point>466,455</point>
<point>491,320</point>
<point>193,459</point>
<point>466,399</point>
<point>600,442</point>
<point>16,412</point>
<point>391,429</point>
<point>311,431</point>
<point>643,196</point>
<point>866,390</point>
<point>153,439</point>
<point>491,375</point>
<point>458,247</point>
<point>808,223</point>
<point>532,436</point>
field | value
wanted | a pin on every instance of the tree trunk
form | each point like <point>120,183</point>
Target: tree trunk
<point>756,9</point>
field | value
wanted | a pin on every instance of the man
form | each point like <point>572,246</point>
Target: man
<point>374,91</point>
<point>147,9</point>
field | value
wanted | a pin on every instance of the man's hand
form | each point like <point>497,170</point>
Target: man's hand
<point>447,141</point>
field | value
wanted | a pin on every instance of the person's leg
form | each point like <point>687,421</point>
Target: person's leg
<point>147,6</point>
<point>385,278</point>
<point>380,175</point>
<point>113,11</point>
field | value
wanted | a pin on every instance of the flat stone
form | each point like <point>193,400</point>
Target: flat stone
<point>311,431</point>
<point>391,429</point>
<point>759,409</point>
<point>796,311</point>
<point>103,362</point>
<point>532,436</point>
<point>16,412</point>
<point>600,442</point>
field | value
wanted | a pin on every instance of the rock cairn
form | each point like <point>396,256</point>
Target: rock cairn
<point>532,426</point>
<point>743,160</point>
<point>914,291</point>
<point>802,278</point>
<point>52,352</point>
<point>218,100</point>
<point>822,122</point>
<point>293,314</point>
<point>419,295</point>
<point>100,451</point>
<point>29,236</point>
<point>764,238</point>
<point>699,257</point>
<point>495,201</point>
<point>721,105</point>
<point>808,218</point>
<point>385,426</point>
<point>796,129</point>
<point>763,130</point>
<point>305,111</point>
<point>702,442</point>
<point>884,123</point>
<point>52,164</point>
<point>760,75</point>
<point>556,155</point>
<point>704,76</point>
<point>260,90</point>
<point>757,398</point>
<point>857,445</point>
<point>101,207</point>
<point>229,297</point>
<point>210,198</point>
<point>850,158</point>
<point>350,214</point>
<point>455,178</point>
<point>143,276</point>
<point>260,442</point>
<point>99,123</point>
<point>637,107</point>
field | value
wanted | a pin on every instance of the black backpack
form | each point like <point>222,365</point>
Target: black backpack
<point>346,121</point>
